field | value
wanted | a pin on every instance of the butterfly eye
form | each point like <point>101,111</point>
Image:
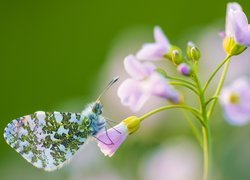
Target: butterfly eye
<point>97,108</point>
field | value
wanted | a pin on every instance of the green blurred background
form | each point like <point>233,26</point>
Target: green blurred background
<point>53,51</point>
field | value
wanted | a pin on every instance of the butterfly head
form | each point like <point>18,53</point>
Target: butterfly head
<point>97,108</point>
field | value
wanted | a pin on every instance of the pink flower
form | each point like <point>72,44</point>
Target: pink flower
<point>235,101</point>
<point>237,26</point>
<point>144,82</point>
<point>155,51</point>
<point>237,33</point>
<point>109,141</point>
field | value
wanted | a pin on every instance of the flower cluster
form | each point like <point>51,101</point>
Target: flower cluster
<point>147,80</point>
<point>144,82</point>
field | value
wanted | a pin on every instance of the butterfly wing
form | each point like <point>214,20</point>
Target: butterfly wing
<point>47,139</point>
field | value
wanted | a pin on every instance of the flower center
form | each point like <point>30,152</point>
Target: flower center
<point>234,98</point>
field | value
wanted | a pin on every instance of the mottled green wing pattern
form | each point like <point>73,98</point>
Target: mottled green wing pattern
<point>48,139</point>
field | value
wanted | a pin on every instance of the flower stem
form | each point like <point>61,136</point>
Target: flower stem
<point>205,130</point>
<point>205,134</point>
<point>186,107</point>
<point>219,87</point>
<point>181,80</point>
<point>215,72</point>
<point>210,100</point>
<point>184,85</point>
<point>196,132</point>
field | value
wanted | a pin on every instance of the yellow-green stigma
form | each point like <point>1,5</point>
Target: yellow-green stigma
<point>234,98</point>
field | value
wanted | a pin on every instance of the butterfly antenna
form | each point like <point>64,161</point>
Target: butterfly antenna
<point>114,80</point>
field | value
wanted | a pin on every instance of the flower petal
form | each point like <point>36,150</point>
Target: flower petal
<point>242,36</point>
<point>237,115</point>
<point>230,18</point>
<point>160,37</point>
<point>152,51</point>
<point>237,24</point>
<point>111,140</point>
<point>136,69</point>
<point>131,94</point>
<point>157,85</point>
<point>237,111</point>
<point>241,87</point>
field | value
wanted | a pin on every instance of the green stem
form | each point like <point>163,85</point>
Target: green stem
<point>194,128</point>
<point>215,72</point>
<point>219,87</point>
<point>214,99</point>
<point>210,100</point>
<point>205,130</point>
<point>193,110</point>
<point>181,80</point>
<point>202,99</point>
<point>205,134</point>
<point>184,85</point>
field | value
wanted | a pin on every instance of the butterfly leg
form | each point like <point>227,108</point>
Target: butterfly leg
<point>107,120</point>
<point>103,141</point>
<point>113,127</point>
<point>108,135</point>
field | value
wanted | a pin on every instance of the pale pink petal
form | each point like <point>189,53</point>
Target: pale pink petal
<point>237,25</point>
<point>157,85</point>
<point>131,94</point>
<point>152,51</point>
<point>136,69</point>
<point>237,113</point>
<point>230,18</point>
<point>241,87</point>
<point>111,140</point>
<point>160,37</point>
<point>242,36</point>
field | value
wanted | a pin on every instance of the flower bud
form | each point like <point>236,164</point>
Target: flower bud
<point>132,123</point>
<point>232,47</point>
<point>193,52</point>
<point>175,55</point>
<point>184,69</point>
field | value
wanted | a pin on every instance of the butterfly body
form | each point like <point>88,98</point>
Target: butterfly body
<point>49,139</point>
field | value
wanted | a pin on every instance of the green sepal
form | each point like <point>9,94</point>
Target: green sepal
<point>175,55</point>
<point>232,47</point>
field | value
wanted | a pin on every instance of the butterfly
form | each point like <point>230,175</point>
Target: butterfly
<point>48,140</point>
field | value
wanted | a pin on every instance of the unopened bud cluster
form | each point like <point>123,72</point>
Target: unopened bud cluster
<point>184,64</point>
